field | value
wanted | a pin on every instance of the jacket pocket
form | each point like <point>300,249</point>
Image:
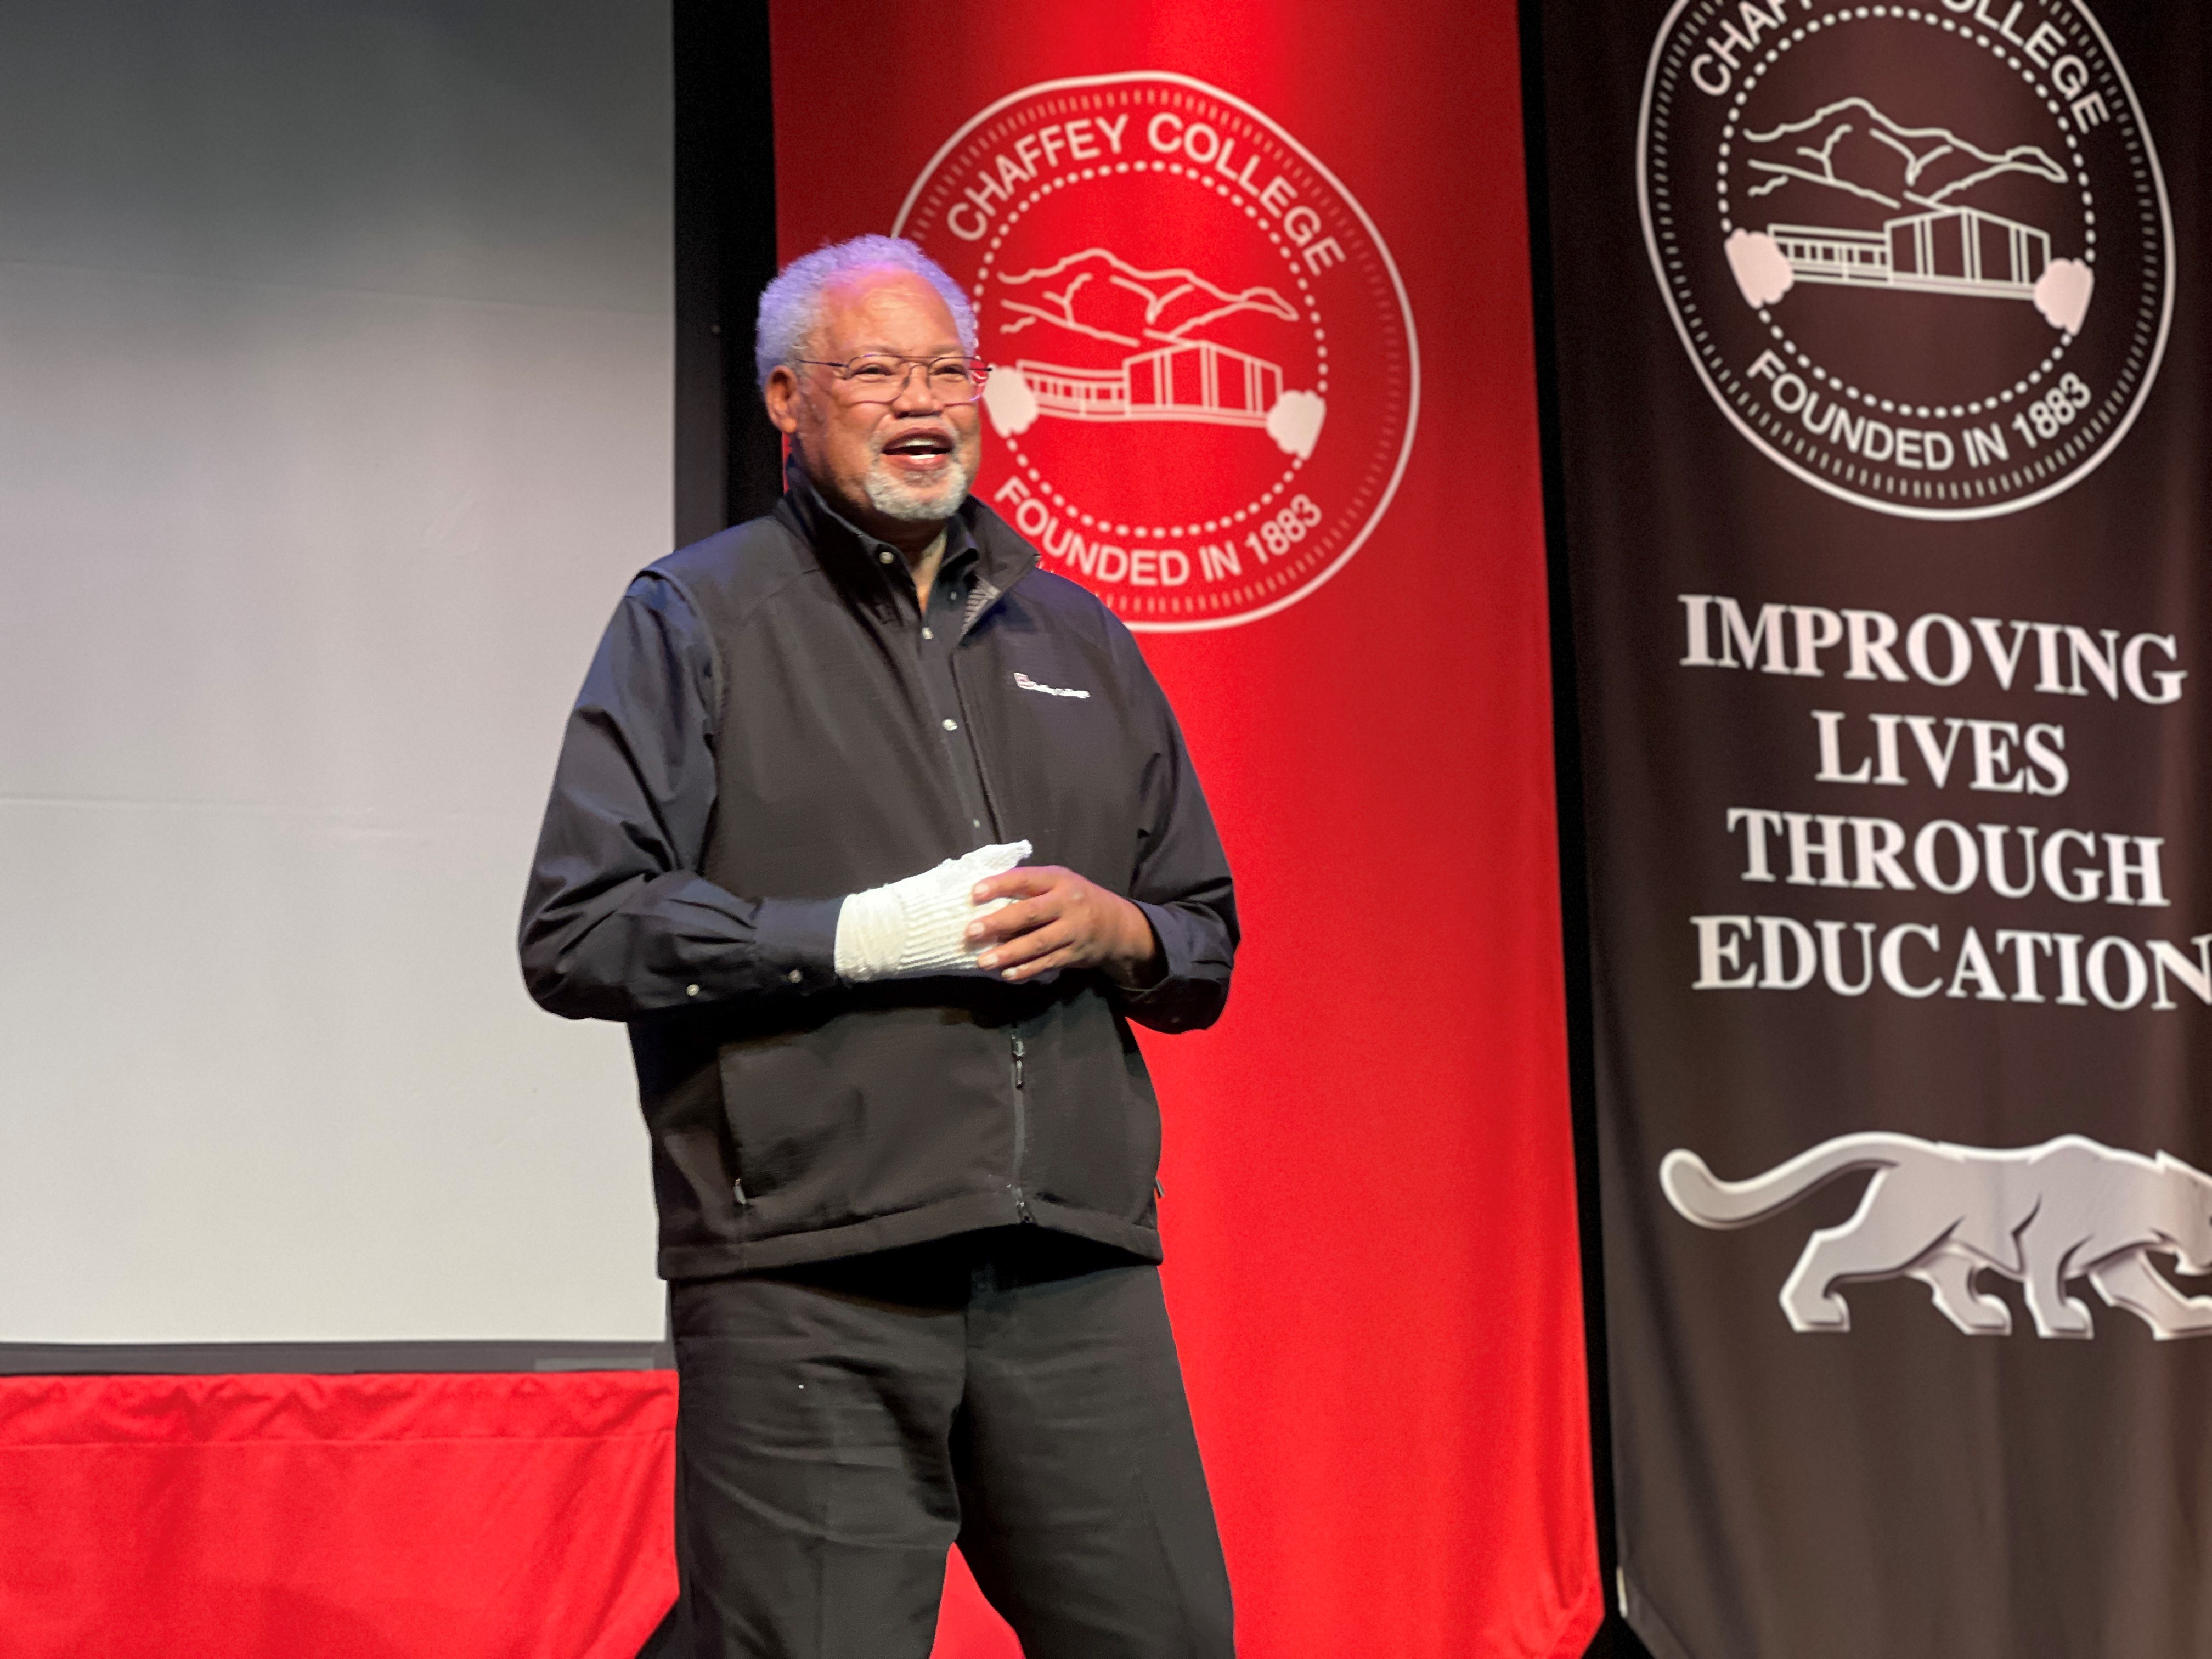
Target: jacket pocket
<point>875,1111</point>
<point>788,1113</point>
<point>1095,1121</point>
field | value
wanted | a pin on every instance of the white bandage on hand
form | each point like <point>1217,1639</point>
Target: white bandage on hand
<point>919,925</point>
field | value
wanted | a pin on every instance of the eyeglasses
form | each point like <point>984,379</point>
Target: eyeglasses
<point>877,377</point>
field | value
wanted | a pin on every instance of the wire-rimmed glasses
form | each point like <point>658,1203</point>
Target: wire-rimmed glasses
<point>878,377</point>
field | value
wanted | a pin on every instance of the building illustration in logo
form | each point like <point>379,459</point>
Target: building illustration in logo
<point>1943,251</point>
<point>1184,377</point>
<point>1946,246</point>
<point>1191,381</point>
<point>2041,1216</point>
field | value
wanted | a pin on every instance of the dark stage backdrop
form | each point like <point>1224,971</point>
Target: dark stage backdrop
<point>1881,334</point>
<point>1257,286</point>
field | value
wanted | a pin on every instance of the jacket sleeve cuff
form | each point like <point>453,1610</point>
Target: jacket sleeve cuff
<point>1176,955</point>
<point>798,940</point>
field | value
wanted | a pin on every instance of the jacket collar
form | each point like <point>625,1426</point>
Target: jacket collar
<point>852,559</point>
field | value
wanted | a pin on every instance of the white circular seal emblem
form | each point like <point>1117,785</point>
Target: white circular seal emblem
<point>1920,254</point>
<point>1205,377</point>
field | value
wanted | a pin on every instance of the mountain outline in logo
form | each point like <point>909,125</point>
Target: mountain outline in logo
<point>1892,138</point>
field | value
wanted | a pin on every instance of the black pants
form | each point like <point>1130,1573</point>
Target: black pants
<point>841,1426</point>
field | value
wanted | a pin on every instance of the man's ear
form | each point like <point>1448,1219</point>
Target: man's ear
<point>780,394</point>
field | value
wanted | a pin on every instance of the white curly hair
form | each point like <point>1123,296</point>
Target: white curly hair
<point>791,305</point>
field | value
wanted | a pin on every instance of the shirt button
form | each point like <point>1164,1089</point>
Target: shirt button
<point>793,976</point>
<point>952,725</point>
<point>927,635</point>
<point>883,554</point>
<point>690,990</point>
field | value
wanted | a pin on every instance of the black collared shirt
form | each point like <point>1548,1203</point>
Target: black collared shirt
<point>933,633</point>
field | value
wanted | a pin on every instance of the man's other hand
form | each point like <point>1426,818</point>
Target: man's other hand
<point>1055,919</point>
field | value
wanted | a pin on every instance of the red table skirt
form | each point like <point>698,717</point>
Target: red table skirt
<point>372,1517</point>
<point>443,1517</point>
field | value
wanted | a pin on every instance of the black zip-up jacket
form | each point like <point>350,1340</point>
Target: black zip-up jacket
<point>760,735</point>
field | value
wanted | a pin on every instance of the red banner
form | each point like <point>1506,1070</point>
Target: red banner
<point>1255,284</point>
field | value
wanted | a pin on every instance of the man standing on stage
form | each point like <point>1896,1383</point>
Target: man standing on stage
<point>878,836</point>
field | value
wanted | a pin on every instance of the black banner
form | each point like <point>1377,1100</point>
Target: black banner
<point>1884,404</point>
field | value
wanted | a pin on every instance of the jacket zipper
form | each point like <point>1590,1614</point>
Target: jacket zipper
<point>1021,1132</point>
<point>991,805</point>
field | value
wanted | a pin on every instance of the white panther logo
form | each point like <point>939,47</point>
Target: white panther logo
<point>2041,1215</point>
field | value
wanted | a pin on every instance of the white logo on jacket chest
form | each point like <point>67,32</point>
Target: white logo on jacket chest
<point>1029,684</point>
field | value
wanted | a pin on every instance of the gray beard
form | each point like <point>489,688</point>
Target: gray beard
<point>896,500</point>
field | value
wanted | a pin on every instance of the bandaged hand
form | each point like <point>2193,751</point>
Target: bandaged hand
<point>919,925</point>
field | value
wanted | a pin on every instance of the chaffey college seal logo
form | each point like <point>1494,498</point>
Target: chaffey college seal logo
<point>1920,254</point>
<point>1205,373</point>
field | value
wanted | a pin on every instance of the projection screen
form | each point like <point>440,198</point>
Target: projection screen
<point>334,361</point>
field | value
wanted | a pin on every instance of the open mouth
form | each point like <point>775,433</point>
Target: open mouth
<point>919,455</point>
